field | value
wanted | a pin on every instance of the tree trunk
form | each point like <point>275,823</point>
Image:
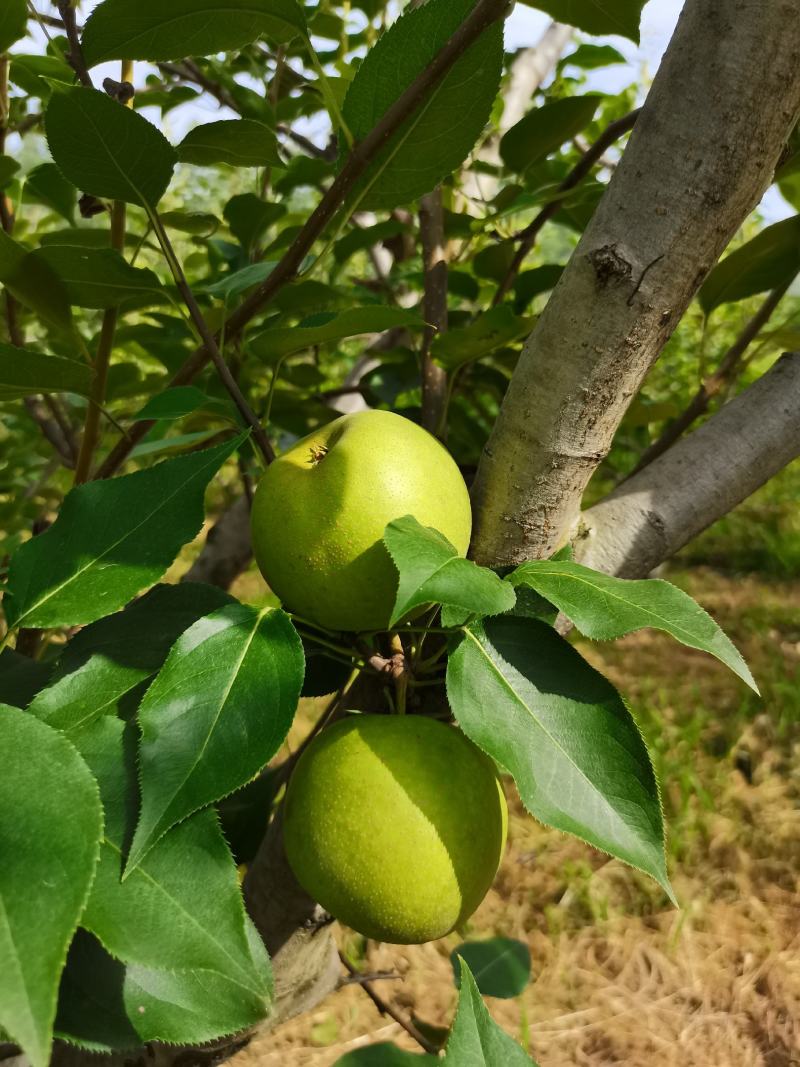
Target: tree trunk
<point>702,153</point>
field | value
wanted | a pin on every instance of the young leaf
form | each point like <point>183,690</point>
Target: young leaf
<point>105,1005</point>
<point>495,328</point>
<point>603,607</point>
<point>596,17</point>
<point>475,1038</point>
<point>13,22</point>
<point>182,909</point>
<point>437,137</point>
<point>282,341</point>
<point>23,373</point>
<point>114,656</point>
<point>545,129</point>
<point>200,743</point>
<point>111,540</point>
<point>432,572</point>
<point>50,828</point>
<point>237,142</point>
<point>107,150</point>
<point>100,277</point>
<point>173,29</point>
<point>501,966</point>
<point>769,259</point>
<point>528,699</point>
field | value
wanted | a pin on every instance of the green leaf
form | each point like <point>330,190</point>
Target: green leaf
<point>173,29</point>
<point>196,223</point>
<point>107,150</point>
<point>495,328</point>
<point>361,237</point>
<point>476,1040</point>
<point>591,56</point>
<point>432,572</point>
<point>603,607</point>
<point>100,277</point>
<point>199,744</point>
<point>47,185</point>
<point>50,826</point>
<point>8,168</point>
<point>232,285</point>
<point>182,908</point>
<point>181,400</point>
<point>530,283</point>
<point>544,129</point>
<point>113,657</point>
<point>501,966</point>
<point>528,699</point>
<point>384,1055</point>
<point>770,259</point>
<point>24,373</point>
<point>248,217</point>
<point>13,22</point>
<point>237,142</point>
<point>21,678</point>
<point>597,17</point>
<point>33,283</point>
<point>282,341</point>
<point>35,74</point>
<point>105,1005</point>
<point>111,540</point>
<point>436,139</point>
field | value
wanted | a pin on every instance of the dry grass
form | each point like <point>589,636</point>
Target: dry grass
<point>619,976</point>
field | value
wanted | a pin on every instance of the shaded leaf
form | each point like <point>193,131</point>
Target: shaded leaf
<point>770,259</point>
<point>46,185</point>
<point>361,237</point>
<point>111,540</point>
<point>174,29</point>
<point>105,149</point>
<point>21,678</point>
<point>475,1039</point>
<point>589,56</point>
<point>113,657</point>
<point>384,1055</point>
<point>106,1005</point>
<point>182,909</point>
<point>196,223</point>
<point>282,341</point>
<point>432,572</point>
<point>237,142</point>
<point>24,373</point>
<point>495,328</point>
<point>526,697</point>
<point>33,283</point>
<point>13,22</point>
<point>596,16</point>
<point>8,168</point>
<point>501,966</point>
<point>100,277</point>
<point>181,400</point>
<point>604,607</point>
<point>544,129</point>
<point>202,741</point>
<point>49,837</point>
<point>439,135</point>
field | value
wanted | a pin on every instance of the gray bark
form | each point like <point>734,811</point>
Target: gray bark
<point>697,481</point>
<point>701,155</point>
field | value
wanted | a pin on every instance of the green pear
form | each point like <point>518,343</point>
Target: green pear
<point>396,825</point>
<point>320,511</point>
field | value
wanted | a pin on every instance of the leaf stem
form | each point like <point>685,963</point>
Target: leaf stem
<point>209,340</point>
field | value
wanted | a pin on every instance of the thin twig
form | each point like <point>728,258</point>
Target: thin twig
<point>717,381</point>
<point>482,16</point>
<point>75,55</point>
<point>387,1009</point>
<point>527,237</point>
<point>434,262</point>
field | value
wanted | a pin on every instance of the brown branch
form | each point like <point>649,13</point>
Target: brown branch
<point>75,56</point>
<point>716,382</point>
<point>592,155</point>
<point>434,262</point>
<point>482,16</point>
<point>386,1009</point>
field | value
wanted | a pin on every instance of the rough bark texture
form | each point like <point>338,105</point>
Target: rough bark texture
<point>703,151</point>
<point>656,512</point>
